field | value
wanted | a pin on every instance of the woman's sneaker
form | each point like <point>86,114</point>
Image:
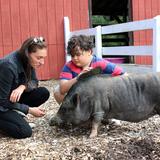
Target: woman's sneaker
<point>32,125</point>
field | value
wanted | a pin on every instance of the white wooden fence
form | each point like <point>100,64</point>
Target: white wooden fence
<point>153,50</point>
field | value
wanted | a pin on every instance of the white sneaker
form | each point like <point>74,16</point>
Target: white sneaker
<point>32,125</point>
<point>21,113</point>
<point>115,122</point>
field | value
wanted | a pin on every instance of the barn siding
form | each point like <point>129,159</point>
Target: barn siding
<point>20,19</point>
<point>1,42</point>
<point>144,9</point>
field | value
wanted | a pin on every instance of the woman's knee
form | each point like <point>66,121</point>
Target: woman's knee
<point>44,93</point>
<point>25,133</point>
<point>22,132</point>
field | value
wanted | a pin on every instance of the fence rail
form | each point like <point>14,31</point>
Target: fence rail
<point>97,32</point>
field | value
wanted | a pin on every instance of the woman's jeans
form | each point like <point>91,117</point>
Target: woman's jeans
<point>13,123</point>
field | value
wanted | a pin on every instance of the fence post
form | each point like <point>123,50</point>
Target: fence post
<point>156,45</point>
<point>98,42</point>
<point>66,36</point>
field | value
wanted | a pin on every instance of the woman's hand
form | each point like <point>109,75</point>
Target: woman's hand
<point>16,93</point>
<point>36,111</point>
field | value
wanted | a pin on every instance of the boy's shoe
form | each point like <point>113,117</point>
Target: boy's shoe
<point>111,122</point>
<point>115,122</point>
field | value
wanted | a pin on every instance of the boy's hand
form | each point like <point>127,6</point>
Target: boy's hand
<point>86,69</point>
<point>125,74</point>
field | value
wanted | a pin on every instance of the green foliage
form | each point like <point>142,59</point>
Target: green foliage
<point>112,39</point>
<point>104,20</point>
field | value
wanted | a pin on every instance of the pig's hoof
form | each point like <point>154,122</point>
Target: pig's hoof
<point>53,121</point>
<point>93,135</point>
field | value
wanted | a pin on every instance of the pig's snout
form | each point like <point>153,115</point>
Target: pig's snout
<point>55,121</point>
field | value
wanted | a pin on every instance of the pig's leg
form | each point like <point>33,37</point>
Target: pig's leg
<point>98,115</point>
<point>94,130</point>
<point>55,121</point>
<point>157,108</point>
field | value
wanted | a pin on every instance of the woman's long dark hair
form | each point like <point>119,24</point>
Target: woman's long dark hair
<point>30,45</point>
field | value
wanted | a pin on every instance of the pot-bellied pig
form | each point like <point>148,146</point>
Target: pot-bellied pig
<point>132,98</point>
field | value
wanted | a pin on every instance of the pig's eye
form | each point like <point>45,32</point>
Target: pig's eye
<point>63,110</point>
<point>74,99</point>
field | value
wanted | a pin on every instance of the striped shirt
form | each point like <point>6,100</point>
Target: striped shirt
<point>70,70</point>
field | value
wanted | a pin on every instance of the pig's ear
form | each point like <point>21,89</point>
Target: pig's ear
<point>76,99</point>
<point>92,72</point>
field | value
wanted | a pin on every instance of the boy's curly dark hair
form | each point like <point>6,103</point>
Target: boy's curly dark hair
<point>82,42</point>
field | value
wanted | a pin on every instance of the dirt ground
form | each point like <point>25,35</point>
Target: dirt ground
<point>130,141</point>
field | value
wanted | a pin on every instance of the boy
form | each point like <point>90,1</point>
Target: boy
<point>82,60</point>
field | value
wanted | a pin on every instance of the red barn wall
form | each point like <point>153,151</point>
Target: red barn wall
<point>20,19</point>
<point>144,9</point>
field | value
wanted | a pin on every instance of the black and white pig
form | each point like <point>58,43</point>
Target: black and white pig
<point>132,98</point>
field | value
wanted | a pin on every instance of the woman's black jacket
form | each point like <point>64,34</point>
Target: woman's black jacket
<point>11,76</point>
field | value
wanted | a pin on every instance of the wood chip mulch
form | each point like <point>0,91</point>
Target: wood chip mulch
<point>130,141</point>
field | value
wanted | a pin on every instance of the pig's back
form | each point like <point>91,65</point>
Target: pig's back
<point>133,94</point>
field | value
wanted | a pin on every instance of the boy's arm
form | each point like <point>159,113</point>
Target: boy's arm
<point>65,85</point>
<point>112,68</point>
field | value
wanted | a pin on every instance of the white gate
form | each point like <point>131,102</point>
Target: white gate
<point>153,50</point>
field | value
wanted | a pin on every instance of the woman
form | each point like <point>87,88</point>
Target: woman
<point>19,91</point>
